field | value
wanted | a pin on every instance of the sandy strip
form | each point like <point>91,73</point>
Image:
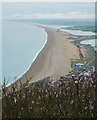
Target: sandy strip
<point>54,60</point>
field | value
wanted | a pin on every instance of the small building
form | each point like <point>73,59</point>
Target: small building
<point>78,66</point>
<point>93,68</point>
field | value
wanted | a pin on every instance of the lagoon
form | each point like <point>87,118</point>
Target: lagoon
<point>79,32</point>
<point>89,42</point>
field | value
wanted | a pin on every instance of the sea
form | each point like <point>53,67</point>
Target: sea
<point>22,40</point>
<point>20,44</point>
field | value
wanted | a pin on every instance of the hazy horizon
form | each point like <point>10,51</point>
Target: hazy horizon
<point>66,10</point>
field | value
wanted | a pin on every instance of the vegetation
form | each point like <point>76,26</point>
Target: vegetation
<point>73,96</point>
<point>69,97</point>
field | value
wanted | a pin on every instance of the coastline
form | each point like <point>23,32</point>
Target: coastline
<point>48,56</point>
<point>42,27</point>
<point>54,58</point>
<point>19,77</point>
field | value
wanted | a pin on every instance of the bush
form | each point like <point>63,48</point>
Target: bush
<point>73,98</point>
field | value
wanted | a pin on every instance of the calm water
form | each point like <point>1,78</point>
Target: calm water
<point>79,32</point>
<point>21,42</point>
<point>89,42</point>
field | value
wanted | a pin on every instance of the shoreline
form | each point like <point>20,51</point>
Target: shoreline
<point>19,77</point>
<point>53,59</point>
<point>42,27</point>
<point>39,72</point>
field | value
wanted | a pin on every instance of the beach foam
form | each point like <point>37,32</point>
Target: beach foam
<point>39,44</point>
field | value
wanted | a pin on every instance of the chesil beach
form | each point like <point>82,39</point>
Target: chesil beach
<point>35,48</point>
<point>54,59</point>
<point>56,51</point>
<point>49,60</point>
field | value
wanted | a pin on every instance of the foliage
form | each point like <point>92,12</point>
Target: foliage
<point>74,97</point>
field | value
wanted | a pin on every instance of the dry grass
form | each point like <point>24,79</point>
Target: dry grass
<point>74,97</point>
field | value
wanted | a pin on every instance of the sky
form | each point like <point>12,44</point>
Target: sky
<point>54,10</point>
<point>11,9</point>
<point>48,0</point>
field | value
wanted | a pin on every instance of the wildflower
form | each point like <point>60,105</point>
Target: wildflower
<point>76,82</point>
<point>15,100</point>
<point>71,102</point>
<point>86,107</point>
<point>39,97</point>
<point>56,95</point>
<point>33,102</point>
<point>91,107</point>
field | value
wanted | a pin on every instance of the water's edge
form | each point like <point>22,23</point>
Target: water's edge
<point>32,60</point>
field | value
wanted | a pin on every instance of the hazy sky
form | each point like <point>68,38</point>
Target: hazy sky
<point>60,10</point>
<point>51,0</point>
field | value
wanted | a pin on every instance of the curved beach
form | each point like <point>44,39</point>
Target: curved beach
<point>54,59</point>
